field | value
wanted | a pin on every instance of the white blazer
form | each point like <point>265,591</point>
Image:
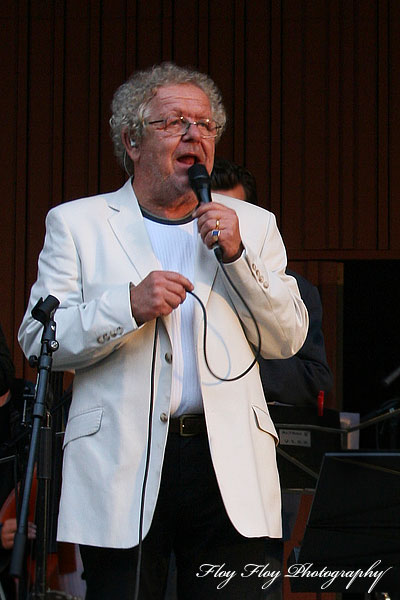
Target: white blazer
<point>94,247</point>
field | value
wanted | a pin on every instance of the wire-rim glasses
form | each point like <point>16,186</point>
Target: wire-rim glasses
<point>175,126</point>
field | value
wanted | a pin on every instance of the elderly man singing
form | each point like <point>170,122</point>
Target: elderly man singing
<point>169,444</point>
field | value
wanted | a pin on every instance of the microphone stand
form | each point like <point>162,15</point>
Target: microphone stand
<point>43,311</point>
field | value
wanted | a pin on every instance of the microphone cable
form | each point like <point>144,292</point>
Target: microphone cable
<point>200,183</point>
<point>217,252</point>
<point>151,404</point>
<point>147,463</point>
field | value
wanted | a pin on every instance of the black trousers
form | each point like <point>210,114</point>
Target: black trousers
<point>212,559</point>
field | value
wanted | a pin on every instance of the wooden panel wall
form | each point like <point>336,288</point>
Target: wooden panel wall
<point>312,90</point>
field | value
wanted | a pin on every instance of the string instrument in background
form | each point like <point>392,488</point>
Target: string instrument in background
<point>58,564</point>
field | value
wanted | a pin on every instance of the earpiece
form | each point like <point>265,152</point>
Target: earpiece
<point>133,143</point>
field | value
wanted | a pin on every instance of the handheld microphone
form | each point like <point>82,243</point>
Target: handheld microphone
<point>199,181</point>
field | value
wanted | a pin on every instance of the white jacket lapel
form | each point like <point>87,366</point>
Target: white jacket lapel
<point>128,226</point>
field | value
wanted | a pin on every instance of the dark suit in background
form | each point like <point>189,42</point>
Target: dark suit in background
<point>298,380</point>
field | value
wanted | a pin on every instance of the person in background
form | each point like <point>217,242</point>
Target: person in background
<point>299,379</point>
<point>123,266</point>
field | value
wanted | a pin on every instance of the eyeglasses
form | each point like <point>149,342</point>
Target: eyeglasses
<point>180,126</point>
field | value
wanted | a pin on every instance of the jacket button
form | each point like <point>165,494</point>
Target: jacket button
<point>164,417</point>
<point>168,357</point>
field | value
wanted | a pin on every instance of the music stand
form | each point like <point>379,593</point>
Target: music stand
<point>353,523</point>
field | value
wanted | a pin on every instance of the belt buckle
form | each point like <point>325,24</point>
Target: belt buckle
<point>182,425</point>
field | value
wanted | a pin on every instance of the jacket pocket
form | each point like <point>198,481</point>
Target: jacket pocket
<point>264,422</point>
<point>83,424</point>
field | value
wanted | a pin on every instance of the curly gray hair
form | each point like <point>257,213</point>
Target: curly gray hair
<point>130,102</point>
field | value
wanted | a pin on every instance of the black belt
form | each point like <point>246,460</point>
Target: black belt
<point>188,425</point>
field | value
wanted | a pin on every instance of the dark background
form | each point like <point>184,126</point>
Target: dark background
<point>371,345</point>
<point>312,91</point>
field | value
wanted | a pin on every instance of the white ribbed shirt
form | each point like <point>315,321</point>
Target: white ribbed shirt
<point>174,244</point>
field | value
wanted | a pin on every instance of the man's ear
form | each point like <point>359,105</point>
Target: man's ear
<point>130,145</point>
